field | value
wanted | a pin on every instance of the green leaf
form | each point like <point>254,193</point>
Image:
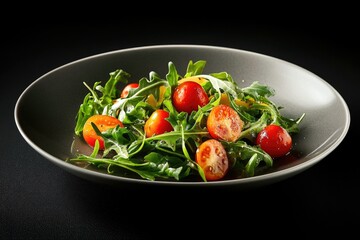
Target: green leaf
<point>172,76</point>
<point>194,69</point>
<point>240,153</point>
<point>251,130</point>
<point>111,89</point>
<point>257,90</point>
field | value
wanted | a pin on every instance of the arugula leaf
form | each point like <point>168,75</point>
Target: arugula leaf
<point>257,90</point>
<point>242,154</point>
<point>251,130</point>
<point>172,76</point>
<point>194,69</point>
<point>147,170</point>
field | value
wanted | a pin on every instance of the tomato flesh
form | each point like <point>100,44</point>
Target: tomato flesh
<point>188,96</point>
<point>211,157</point>
<point>127,88</point>
<point>157,123</point>
<point>274,140</point>
<point>103,123</point>
<point>224,123</point>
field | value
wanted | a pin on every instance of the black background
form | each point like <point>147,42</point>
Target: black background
<point>38,200</point>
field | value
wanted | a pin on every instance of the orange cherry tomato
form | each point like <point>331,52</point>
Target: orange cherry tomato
<point>211,157</point>
<point>127,88</point>
<point>199,80</point>
<point>188,96</point>
<point>274,140</point>
<point>103,123</point>
<point>224,123</point>
<point>157,123</point>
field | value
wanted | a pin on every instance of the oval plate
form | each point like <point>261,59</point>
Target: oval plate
<point>45,112</point>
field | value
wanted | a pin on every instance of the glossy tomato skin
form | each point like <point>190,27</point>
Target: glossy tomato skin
<point>188,96</point>
<point>127,88</point>
<point>103,123</point>
<point>157,123</point>
<point>223,123</point>
<point>274,140</point>
<point>212,158</point>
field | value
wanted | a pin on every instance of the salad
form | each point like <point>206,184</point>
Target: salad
<point>182,126</point>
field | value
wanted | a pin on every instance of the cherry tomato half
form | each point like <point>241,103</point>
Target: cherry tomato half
<point>274,140</point>
<point>127,88</point>
<point>157,123</point>
<point>103,123</point>
<point>188,96</point>
<point>211,157</point>
<point>224,123</point>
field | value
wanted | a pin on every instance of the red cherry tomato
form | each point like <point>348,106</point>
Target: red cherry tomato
<point>188,96</point>
<point>157,123</point>
<point>224,123</point>
<point>103,123</point>
<point>127,88</point>
<point>274,140</point>
<point>211,157</point>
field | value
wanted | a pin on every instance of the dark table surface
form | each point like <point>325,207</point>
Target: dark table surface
<point>39,200</point>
